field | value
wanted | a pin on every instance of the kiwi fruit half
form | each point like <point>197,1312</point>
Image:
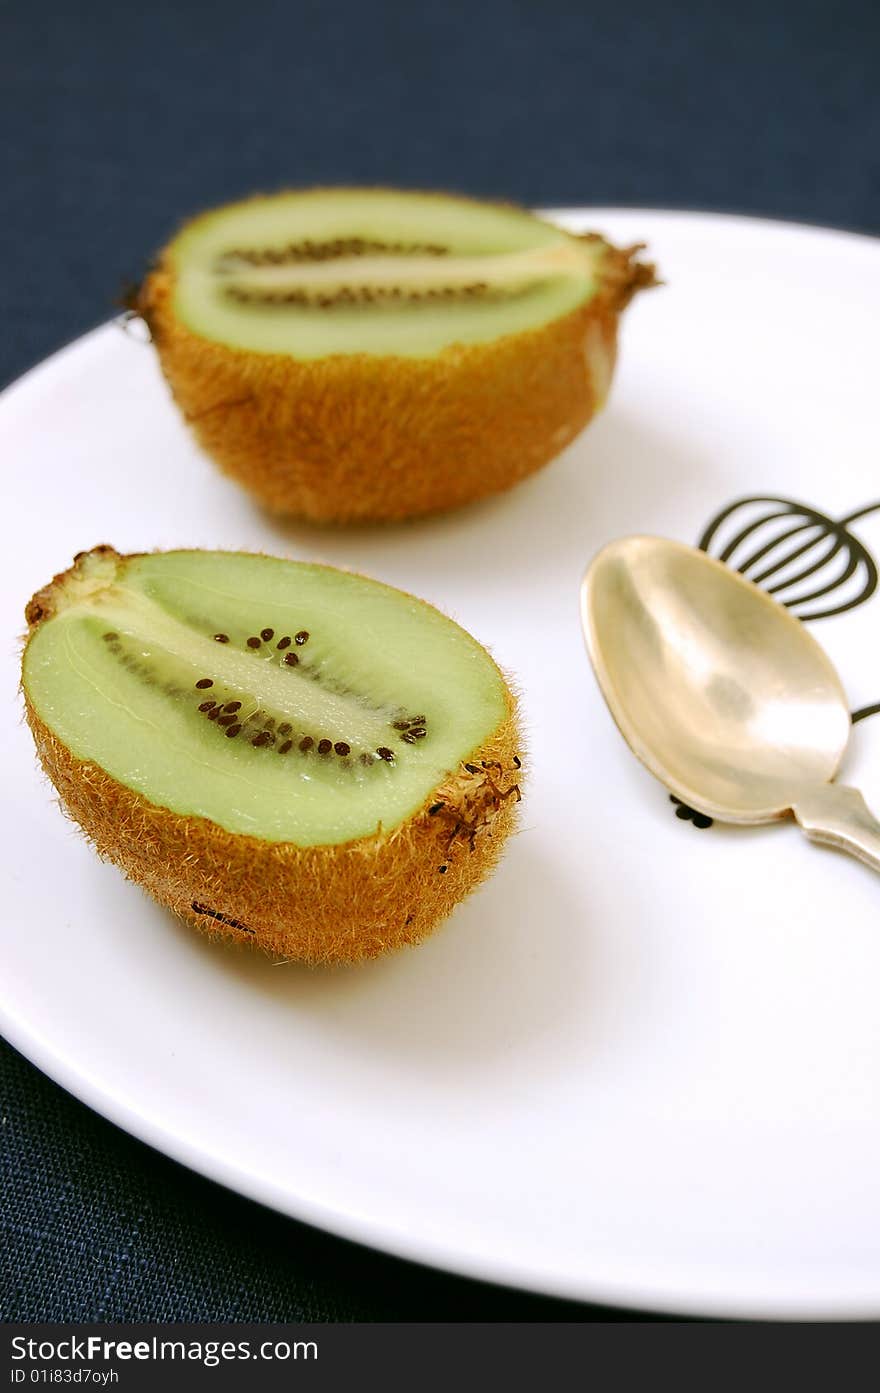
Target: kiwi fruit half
<point>282,752</point>
<point>369,353</point>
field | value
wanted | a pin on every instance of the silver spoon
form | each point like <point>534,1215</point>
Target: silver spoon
<point>721,692</point>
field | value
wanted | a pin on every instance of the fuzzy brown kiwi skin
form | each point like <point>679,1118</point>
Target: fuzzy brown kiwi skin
<point>324,904</point>
<point>361,437</point>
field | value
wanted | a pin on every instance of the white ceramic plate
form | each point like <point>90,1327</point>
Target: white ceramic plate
<point>642,1065</point>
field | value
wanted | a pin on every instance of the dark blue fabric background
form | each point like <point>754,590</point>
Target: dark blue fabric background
<point>118,121</point>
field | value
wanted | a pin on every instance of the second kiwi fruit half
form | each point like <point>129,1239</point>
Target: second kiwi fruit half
<point>280,752</point>
<point>364,354</point>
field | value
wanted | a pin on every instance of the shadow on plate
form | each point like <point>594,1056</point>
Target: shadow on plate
<point>507,968</point>
<point>614,479</point>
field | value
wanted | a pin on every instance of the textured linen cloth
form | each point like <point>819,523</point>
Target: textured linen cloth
<point>119,121</point>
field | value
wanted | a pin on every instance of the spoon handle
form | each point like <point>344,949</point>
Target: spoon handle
<point>838,816</point>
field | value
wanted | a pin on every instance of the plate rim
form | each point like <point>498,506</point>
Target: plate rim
<point>669,1299</point>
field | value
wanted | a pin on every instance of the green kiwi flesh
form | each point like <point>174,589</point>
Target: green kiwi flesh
<point>374,271</point>
<point>286,700</point>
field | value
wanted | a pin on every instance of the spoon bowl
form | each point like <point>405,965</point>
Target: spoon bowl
<point>720,691</point>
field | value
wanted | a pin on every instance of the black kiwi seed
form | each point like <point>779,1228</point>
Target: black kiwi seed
<point>253,642</point>
<point>434,809</point>
<point>384,753</point>
<point>517,762</point>
<point>306,743</point>
<point>341,748</point>
<point>262,739</point>
<point>266,634</point>
<point>221,638</point>
<point>400,725</point>
<point>285,728</point>
<point>418,732</point>
<point>204,682</point>
<point>408,738</point>
<point>302,636</point>
<point>367,759</point>
<point>283,643</point>
<point>324,747</point>
<point>207,705</point>
<point>232,706</point>
<point>227,720</point>
<point>282,749</point>
<point>110,637</point>
<point>472,769</point>
<point>443,869</point>
<point>291,659</point>
<point>418,720</point>
<point>232,731</point>
<point>214,715</point>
